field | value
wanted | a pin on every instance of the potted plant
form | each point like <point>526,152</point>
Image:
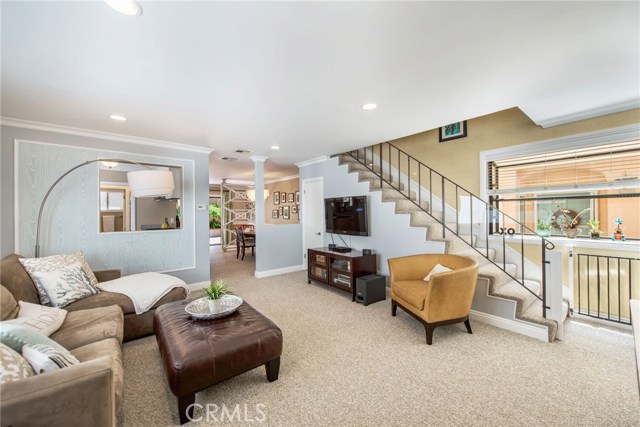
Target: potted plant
<point>595,228</point>
<point>618,232</point>
<point>543,227</point>
<point>215,291</point>
<point>564,221</point>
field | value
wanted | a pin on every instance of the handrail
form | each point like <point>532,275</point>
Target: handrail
<point>492,213</point>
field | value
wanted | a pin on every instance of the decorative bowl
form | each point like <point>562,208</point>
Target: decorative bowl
<point>200,309</point>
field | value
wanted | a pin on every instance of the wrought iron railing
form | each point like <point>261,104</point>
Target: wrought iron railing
<point>428,189</point>
<point>605,286</point>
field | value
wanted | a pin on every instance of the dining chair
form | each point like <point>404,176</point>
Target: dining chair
<point>242,243</point>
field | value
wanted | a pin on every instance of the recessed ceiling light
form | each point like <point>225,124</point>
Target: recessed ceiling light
<point>126,7</point>
<point>369,107</point>
<point>118,117</point>
<point>275,147</point>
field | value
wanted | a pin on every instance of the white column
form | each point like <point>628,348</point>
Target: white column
<point>258,162</point>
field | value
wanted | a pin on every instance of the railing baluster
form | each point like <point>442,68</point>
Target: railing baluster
<point>504,246</point>
<point>457,219</point>
<point>579,284</point>
<point>420,185</point>
<point>381,171</point>
<point>470,218</point>
<point>431,191</point>
<point>588,285</point>
<point>608,289</point>
<point>443,215</point>
<point>543,285</point>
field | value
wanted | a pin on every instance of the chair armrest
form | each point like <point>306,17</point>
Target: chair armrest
<point>106,275</point>
<point>82,394</point>
<point>449,295</point>
<point>412,267</point>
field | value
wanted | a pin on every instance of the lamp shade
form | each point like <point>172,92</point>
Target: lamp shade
<point>150,183</point>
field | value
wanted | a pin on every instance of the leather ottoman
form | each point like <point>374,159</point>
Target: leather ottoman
<point>200,353</point>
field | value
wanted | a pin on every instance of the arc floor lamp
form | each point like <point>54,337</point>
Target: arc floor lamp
<point>143,183</point>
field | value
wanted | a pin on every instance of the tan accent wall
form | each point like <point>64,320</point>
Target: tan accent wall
<point>459,159</point>
<point>290,187</point>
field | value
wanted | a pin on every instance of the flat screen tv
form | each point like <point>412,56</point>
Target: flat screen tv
<point>346,215</point>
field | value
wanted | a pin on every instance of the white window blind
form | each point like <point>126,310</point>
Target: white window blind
<point>614,165</point>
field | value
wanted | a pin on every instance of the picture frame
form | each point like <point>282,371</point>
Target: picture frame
<point>294,209</point>
<point>283,197</point>
<point>453,131</point>
<point>276,198</point>
<point>280,210</point>
<point>285,212</point>
<point>274,214</point>
<point>290,197</point>
<point>297,197</point>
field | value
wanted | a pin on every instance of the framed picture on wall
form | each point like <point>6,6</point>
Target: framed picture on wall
<point>297,197</point>
<point>274,214</point>
<point>276,198</point>
<point>283,197</point>
<point>285,212</point>
<point>294,209</point>
<point>290,197</point>
<point>453,131</point>
<point>280,210</point>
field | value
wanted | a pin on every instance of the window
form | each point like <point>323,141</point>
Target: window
<point>602,181</point>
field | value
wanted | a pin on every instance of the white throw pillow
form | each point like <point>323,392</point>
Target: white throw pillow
<point>52,263</point>
<point>40,318</point>
<point>44,358</point>
<point>66,285</point>
<point>436,270</point>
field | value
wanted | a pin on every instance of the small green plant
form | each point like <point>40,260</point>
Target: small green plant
<point>217,289</point>
<point>595,226</point>
<point>543,224</point>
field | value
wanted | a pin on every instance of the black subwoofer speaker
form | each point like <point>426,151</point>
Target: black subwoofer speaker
<point>370,289</point>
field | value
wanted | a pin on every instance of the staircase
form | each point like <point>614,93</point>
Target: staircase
<point>505,275</point>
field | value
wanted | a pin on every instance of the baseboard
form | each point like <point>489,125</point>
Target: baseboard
<point>531,330</point>
<point>278,271</point>
<point>197,286</point>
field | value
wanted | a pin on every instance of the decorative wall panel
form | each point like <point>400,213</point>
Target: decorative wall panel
<point>70,217</point>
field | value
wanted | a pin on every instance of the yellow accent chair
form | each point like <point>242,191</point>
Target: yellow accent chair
<point>443,300</point>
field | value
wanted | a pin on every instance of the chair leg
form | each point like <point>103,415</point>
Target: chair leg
<point>243,248</point>
<point>468,325</point>
<point>394,308</point>
<point>429,330</point>
<point>237,250</point>
<point>253,250</point>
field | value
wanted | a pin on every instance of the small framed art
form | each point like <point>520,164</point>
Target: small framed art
<point>290,197</point>
<point>453,131</point>
<point>294,209</point>
<point>276,198</point>
<point>297,197</point>
<point>283,197</point>
<point>274,214</point>
<point>285,212</point>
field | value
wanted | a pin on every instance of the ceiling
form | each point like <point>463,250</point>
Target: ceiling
<point>245,75</point>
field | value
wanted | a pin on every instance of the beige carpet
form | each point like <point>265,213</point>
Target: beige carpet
<point>345,364</point>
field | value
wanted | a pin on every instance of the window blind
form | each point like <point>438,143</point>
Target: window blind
<point>605,166</point>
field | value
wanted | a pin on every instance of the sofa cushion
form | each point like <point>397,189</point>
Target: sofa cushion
<point>40,318</point>
<point>108,347</point>
<point>53,263</point>
<point>84,327</point>
<point>13,367</point>
<point>106,298</point>
<point>14,277</point>
<point>65,285</point>
<point>412,291</point>
<point>8,306</point>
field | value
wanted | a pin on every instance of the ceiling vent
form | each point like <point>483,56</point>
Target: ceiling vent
<point>230,159</point>
<point>242,151</point>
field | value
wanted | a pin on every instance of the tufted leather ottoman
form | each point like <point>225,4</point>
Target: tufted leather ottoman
<point>198,354</point>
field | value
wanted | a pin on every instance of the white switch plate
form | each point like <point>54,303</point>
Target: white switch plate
<point>201,207</point>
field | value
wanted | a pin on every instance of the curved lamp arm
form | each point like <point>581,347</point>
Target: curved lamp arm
<point>46,196</point>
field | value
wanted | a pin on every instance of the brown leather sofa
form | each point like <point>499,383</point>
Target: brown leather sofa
<point>443,300</point>
<point>15,278</point>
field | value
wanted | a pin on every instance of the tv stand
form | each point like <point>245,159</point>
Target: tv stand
<point>339,270</point>
<point>342,249</point>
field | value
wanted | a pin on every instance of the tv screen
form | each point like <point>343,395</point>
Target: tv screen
<point>347,215</point>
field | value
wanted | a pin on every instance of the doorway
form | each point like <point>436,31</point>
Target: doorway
<point>312,214</point>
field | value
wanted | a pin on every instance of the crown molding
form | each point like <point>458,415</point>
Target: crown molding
<point>258,158</point>
<point>312,161</point>
<point>47,127</point>
<point>589,114</point>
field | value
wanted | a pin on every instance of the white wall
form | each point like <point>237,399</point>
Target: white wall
<point>389,233</point>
